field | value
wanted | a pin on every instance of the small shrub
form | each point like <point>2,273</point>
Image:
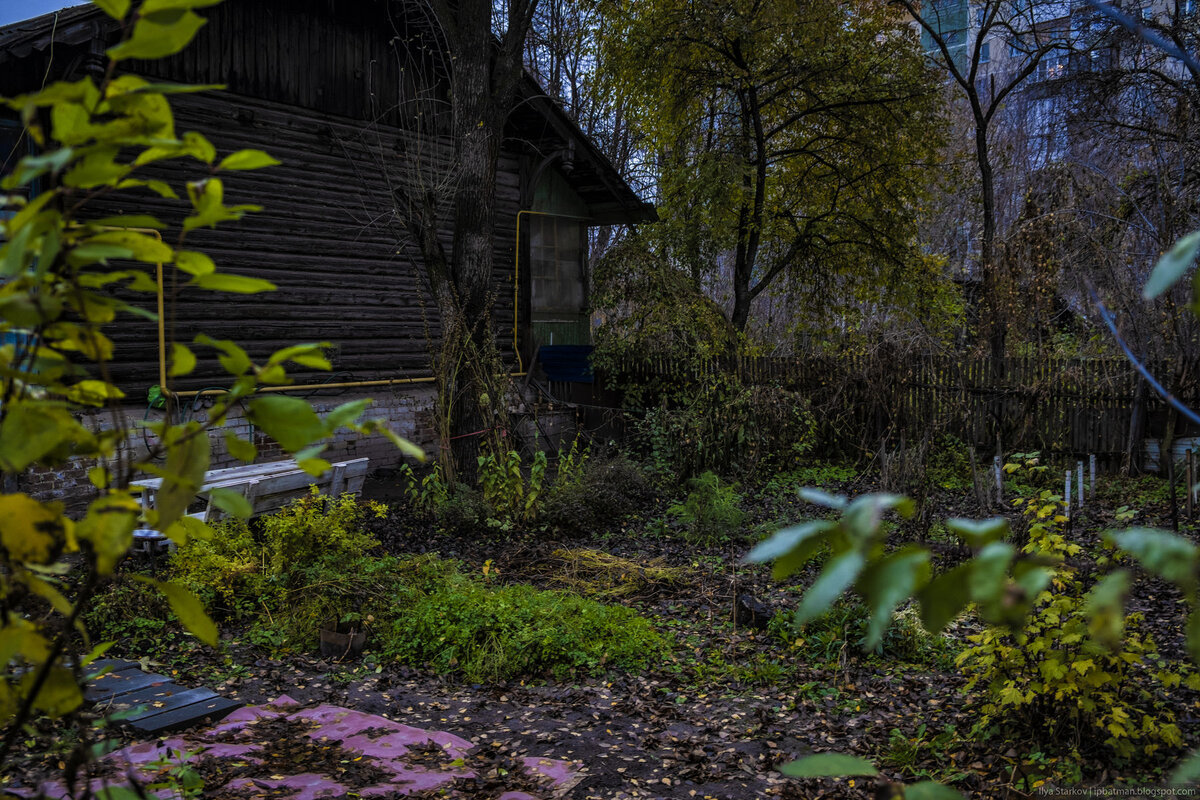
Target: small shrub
<point>316,528</point>
<point>230,573</point>
<point>838,635</point>
<point>1054,680</point>
<point>430,493</point>
<point>823,474</point>
<point>570,470</point>
<point>306,547</point>
<point>492,634</point>
<point>607,490</point>
<point>923,755</point>
<point>764,671</point>
<point>1028,475</point>
<point>710,514</point>
<point>511,495</point>
<point>720,423</point>
<point>133,615</point>
<point>508,494</point>
<point>950,465</point>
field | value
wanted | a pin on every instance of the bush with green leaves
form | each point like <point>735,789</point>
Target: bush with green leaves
<point>135,616</point>
<point>1027,474</point>
<point>711,512</point>
<point>717,422</point>
<point>1082,633</point>
<point>1058,680</point>
<point>576,493</point>
<point>304,566</point>
<point>513,496</point>
<point>484,633</point>
<point>817,473</point>
<point>604,490</point>
<point>839,634</point>
<point>312,564</point>
<point>949,464</point>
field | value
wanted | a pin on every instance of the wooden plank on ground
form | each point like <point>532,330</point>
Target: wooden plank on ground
<point>114,684</point>
<point>158,699</point>
<point>110,664</point>
<point>206,711</point>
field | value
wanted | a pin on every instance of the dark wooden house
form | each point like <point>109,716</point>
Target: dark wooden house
<point>340,92</point>
<point>324,87</point>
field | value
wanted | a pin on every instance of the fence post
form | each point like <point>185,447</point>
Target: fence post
<point>1092,488</point>
<point>1067,494</point>
<point>1079,480</point>
<point>1170,456</point>
<point>1191,482</point>
<point>999,475</point>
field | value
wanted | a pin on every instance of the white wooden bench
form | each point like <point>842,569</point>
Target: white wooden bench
<point>269,487</point>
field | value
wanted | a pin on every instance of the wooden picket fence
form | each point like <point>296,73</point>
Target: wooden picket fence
<point>1056,405</point>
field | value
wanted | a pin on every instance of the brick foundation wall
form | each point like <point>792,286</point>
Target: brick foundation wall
<point>409,412</point>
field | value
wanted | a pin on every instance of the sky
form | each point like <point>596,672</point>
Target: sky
<point>17,10</point>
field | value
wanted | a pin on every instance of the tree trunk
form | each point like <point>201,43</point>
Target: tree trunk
<point>993,306</point>
<point>484,88</point>
<point>1137,429</point>
<point>477,130</point>
<point>741,304</point>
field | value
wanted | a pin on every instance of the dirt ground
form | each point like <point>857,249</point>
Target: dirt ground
<point>690,727</point>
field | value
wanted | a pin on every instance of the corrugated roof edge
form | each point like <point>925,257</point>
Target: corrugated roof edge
<point>70,25</point>
<point>76,24</point>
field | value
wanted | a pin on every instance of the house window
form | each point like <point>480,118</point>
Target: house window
<point>1015,50</point>
<point>1053,65</point>
<point>985,52</point>
<point>556,265</point>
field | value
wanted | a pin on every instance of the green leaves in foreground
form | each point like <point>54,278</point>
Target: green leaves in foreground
<point>853,544</point>
<point>1000,582</point>
<point>1172,266</point>
<point>1167,555</point>
<point>1188,771</point>
<point>1172,558</point>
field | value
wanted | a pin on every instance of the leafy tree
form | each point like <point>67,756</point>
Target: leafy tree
<point>65,275</point>
<point>966,40</point>
<point>788,139</point>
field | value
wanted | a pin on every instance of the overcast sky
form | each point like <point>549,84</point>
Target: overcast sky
<point>17,10</point>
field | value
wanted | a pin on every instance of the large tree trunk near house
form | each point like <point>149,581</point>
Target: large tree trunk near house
<point>477,130</point>
<point>484,87</point>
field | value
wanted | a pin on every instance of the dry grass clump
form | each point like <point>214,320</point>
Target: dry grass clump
<point>595,573</point>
